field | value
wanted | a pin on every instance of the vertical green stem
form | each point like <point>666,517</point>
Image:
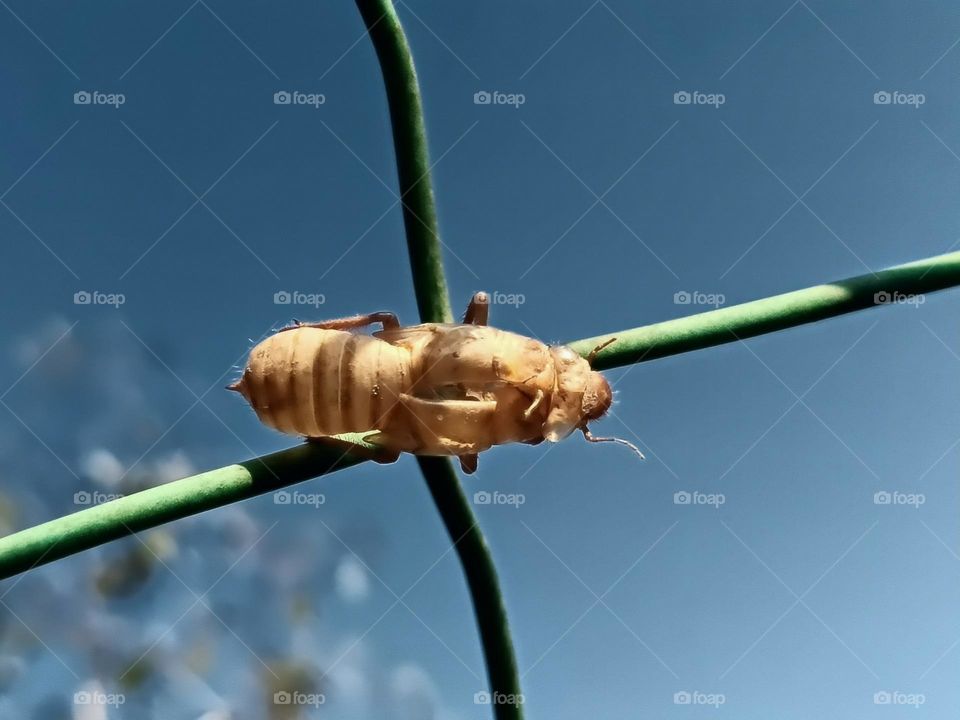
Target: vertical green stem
<point>477,562</point>
<point>426,261</point>
<point>413,158</point>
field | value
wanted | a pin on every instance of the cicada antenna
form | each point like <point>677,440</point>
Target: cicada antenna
<point>592,438</point>
<point>593,353</point>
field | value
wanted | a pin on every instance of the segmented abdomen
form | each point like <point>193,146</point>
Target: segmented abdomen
<point>314,382</point>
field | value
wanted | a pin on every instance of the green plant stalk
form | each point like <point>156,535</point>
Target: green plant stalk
<point>768,315</point>
<point>413,157</point>
<point>143,510</point>
<point>482,581</point>
<point>433,303</point>
<point>94,526</point>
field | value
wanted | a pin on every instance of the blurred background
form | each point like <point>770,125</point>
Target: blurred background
<point>180,179</point>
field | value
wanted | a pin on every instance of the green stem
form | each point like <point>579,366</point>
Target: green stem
<point>433,302</point>
<point>778,312</point>
<point>481,574</point>
<point>413,157</point>
<point>100,524</point>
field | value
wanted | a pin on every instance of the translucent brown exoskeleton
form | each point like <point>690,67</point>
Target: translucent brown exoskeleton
<point>429,389</point>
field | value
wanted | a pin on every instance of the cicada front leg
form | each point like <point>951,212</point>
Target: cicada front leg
<point>534,404</point>
<point>468,463</point>
<point>425,426</point>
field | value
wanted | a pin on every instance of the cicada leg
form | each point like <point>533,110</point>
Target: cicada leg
<point>380,455</point>
<point>468,463</point>
<point>425,426</point>
<point>478,310</point>
<point>387,319</point>
<point>537,399</point>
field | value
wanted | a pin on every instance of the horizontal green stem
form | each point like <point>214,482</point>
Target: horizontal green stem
<point>124,516</point>
<point>716,327</point>
<point>146,509</point>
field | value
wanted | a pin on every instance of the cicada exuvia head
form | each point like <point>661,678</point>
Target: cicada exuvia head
<point>582,395</point>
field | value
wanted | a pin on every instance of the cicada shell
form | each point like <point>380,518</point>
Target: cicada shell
<point>430,389</point>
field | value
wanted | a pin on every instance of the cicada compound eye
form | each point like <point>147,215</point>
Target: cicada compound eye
<point>597,397</point>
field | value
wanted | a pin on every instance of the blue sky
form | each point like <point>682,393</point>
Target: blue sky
<point>586,208</point>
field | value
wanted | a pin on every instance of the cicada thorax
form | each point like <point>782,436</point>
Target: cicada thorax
<point>317,382</point>
<point>481,357</point>
<point>474,387</point>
